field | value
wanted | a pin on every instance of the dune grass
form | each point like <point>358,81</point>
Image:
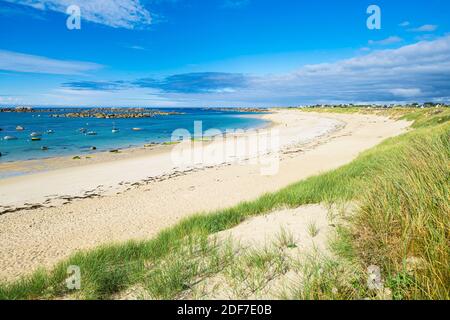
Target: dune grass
<point>402,225</point>
<point>421,117</point>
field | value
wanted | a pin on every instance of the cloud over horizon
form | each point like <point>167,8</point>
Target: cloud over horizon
<point>417,71</point>
<point>20,62</point>
<point>95,85</point>
<point>387,41</point>
<point>200,82</point>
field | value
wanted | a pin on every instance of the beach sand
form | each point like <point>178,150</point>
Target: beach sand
<point>123,197</point>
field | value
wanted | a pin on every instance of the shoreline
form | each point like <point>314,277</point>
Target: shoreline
<point>21,192</point>
<point>36,165</point>
<point>40,237</point>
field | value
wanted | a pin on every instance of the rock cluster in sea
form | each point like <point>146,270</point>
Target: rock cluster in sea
<point>115,113</point>
<point>25,109</point>
<point>101,113</point>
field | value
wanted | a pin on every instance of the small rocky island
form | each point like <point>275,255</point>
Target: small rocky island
<point>115,113</point>
<point>28,109</point>
<point>99,113</point>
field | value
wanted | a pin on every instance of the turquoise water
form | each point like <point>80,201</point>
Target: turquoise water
<point>67,140</point>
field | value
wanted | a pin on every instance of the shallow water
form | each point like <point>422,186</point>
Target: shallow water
<point>67,140</point>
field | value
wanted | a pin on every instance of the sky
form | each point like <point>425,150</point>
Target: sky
<point>201,53</point>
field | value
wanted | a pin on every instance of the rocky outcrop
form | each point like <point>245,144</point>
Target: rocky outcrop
<point>115,113</point>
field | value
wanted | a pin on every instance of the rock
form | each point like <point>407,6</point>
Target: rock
<point>413,264</point>
<point>115,113</point>
<point>93,148</point>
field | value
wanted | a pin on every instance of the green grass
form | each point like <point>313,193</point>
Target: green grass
<point>312,229</point>
<point>286,239</point>
<point>404,218</point>
<point>421,117</point>
<point>182,268</point>
<point>402,188</point>
<point>170,143</point>
<point>324,278</point>
<point>202,139</point>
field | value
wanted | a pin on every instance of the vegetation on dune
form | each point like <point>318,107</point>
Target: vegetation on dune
<point>402,225</point>
<point>420,117</point>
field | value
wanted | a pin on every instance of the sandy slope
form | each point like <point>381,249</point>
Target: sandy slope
<point>264,231</point>
<point>43,236</point>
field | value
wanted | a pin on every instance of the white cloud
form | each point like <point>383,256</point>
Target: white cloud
<point>406,92</point>
<point>8,100</point>
<point>129,97</point>
<point>387,41</point>
<point>404,24</point>
<point>137,47</point>
<point>425,28</point>
<point>235,3</point>
<point>129,14</point>
<point>418,71</point>
<point>20,62</point>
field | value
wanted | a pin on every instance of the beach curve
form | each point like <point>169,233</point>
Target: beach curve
<point>42,236</point>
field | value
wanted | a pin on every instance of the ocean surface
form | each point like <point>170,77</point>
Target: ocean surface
<point>66,138</point>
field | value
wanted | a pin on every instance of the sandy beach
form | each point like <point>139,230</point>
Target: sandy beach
<point>80,204</point>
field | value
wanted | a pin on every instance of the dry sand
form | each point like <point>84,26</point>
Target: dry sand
<point>285,233</point>
<point>265,231</point>
<point>161,194</point>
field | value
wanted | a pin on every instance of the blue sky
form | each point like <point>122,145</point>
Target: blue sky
<point>223,52</point>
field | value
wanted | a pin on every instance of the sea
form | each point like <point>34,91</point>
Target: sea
<point>66,139</point>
